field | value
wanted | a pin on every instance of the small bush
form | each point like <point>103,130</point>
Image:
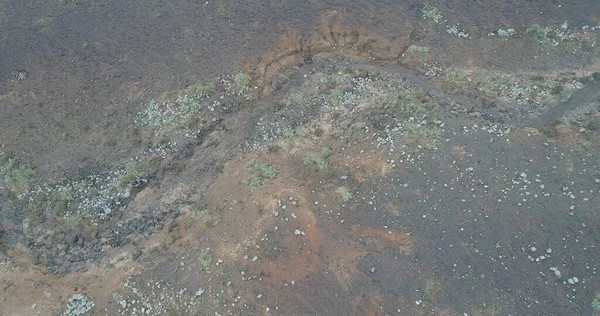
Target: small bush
<point>596,76</point>
<point>456,75</point>
<point>596,302</point>
<point>242,80</point>
<point>419,136</point>
<point>562,94</point>
<point>431,13</point>
<point>594,124</point>
<point>206,259</point>
<point>336,96</point>
<point>345,193</point>
<point>586,79</point>
<point>537,78</point>
<point>319,159</point>
<point>201,90</point>
<point>552,130</point>
<point>203,213</point>
<point>418,49</point>
<point>332,81</point>
<point>406,102</point>
<point>542,34</point>
<point>295,98</point>
<point>260,173</point>
<point>16,175</point>
<point>133,174</point>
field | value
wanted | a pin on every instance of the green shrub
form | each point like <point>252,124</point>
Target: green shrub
<point>406,102</point>
<point>203,89</point>
<point>345,193</point>
<point>133,172</point>
<point>594,124</point>
<point>542,34</point>
<point>203,213</point>
<point>419,136</point>
<point>596,302</point>
<point>562,93</point>
<point>456,75</point>
<point>16,175</point>
<point>431,13</point>
<point>260,173</point>
<point>242,80</point>
<point>418,49</point>
<point>332,81</point>
<point>295,98</point>
<point>336,96</point>
<point>206,259</point>
<point>319,159</point>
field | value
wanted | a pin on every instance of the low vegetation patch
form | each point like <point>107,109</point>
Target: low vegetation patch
<point>562,93</point>
<point>418,49</point>
<point>406,102</point>
<point>135,174</point>
<point>333,81</point>
<point>295,98</point>
<point>596,302</point>
<point>418,136</point>
<point>204,214</point>
<point>319,159</point>
<point>206,258</point>
<point>345,193</point>
<point>16,176</point>
<point>542,34</point>
<point>202,89</point>
<point>431,13</point>
<point>260,173</point>
<point>242,80</point>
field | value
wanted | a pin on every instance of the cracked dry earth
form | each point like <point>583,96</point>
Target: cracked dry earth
<point>344,172</point>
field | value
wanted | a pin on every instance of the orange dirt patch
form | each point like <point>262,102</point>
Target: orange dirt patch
<point>404,243</point>
<point>296,265</point>
<point>370,166</point>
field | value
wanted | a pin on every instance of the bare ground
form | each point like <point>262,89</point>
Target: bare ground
<point>417,172</point>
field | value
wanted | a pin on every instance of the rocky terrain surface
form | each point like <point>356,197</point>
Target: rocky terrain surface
<point>299,158</point>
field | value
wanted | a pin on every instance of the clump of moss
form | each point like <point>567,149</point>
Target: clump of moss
<point>260,173</point>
